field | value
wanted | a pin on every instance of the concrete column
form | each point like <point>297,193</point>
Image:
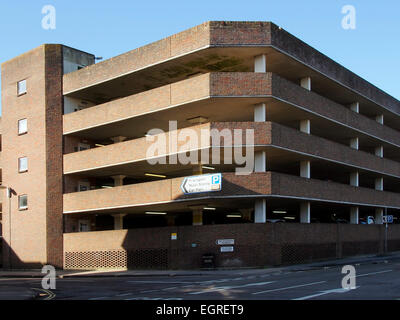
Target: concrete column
<point>260,63</point>
<point>197,216</point>
<point>379,215</point>
<point>246,213</point>
<point>118,139</point>
<point>305,126</point>
<point>118,180</point>
<point>379,118</point>
<point>305,212</point>
<point>118,221</point>
<point>260,112</point>
<point>354,143</point>
<point>354,179</point>
<point>260,161</point>
<point>354,212</point>
<point>260,211</point>
<point>305,169</point>
<point>355,107</point>
<point>306,83</point>
<point>379,151</point>
<point>379,184</point>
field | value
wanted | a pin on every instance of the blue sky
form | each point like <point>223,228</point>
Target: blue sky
<point>109,28</point>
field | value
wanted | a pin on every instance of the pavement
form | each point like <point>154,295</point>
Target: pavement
<point>36,273</point>
<point>376,278</point>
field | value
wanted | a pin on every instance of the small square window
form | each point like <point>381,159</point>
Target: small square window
<point>21,87</point>
<point>23,202</point>
<point>23,164</point>
<point>22,126</point>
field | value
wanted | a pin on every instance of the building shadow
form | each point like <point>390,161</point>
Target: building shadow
<point>10,259</point>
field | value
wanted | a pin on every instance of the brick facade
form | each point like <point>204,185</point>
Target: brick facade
<point>204,79</point>
<point>254,245</point>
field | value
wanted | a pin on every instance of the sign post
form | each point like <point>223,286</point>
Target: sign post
<point>386,220</point>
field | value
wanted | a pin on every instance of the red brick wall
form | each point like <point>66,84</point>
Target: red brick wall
<point>268,184</point>
<point>240,33</point>
<point>54,154</point>
<point>28,234</point>
<point>255,244</point>
<point>36,233</point>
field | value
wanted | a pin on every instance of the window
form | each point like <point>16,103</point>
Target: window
<point>21,87</point>
<point>22,126</point>
<point>23,164</point>
<point>23,202</point>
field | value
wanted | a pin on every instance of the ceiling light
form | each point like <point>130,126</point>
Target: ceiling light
<point>279,211</point>
<point>209,168</point>
<point>197,120</point>
<point>289,218</point>
<point>156,213</point>
<point>155,175</point>
<point>107,187</point>
<point>234,216</point>
<point>209,208</point>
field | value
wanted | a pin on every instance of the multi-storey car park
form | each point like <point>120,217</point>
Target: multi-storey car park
<point>82,193</point>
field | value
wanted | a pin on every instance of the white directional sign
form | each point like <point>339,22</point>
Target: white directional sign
<point>203,183</point>
<point>387,219</point>
<point>223,242</point>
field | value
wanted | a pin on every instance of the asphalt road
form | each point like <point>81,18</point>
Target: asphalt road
<point>373,281</point>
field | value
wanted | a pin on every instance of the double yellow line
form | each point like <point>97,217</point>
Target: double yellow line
<point>50,295</point>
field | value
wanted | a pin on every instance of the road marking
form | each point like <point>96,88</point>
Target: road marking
<point>148,291</point>
<point>292,287</point>
<point>147,298</point>
<point>171,288</point>
<point>340,290</point>
<point>373,273</point>
<point>215,281</point>
<point>232,287</point>
<point>156,282</point>
<point>20,279</point>
<point>50,295</point>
